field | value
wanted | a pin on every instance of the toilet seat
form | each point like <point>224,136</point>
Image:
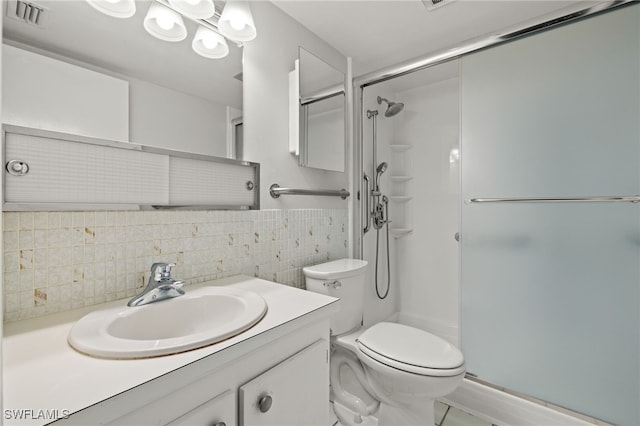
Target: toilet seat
<point>411,350</point>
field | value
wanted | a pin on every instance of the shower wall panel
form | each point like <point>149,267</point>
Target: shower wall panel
<point>550,291</point>
<point>428,266</point>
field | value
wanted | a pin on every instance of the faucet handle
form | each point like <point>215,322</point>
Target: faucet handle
<point>161,270</point>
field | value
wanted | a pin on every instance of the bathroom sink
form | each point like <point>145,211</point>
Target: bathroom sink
<point>201,317</point>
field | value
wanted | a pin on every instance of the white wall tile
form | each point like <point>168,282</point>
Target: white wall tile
<point>56,261</point>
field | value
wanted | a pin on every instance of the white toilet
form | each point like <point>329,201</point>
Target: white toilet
<point>403,368</point>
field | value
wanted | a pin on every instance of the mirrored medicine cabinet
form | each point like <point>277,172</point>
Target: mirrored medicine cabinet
<point>321,113</point>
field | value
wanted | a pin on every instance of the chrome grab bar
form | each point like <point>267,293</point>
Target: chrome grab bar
<point>366,210</point>
<point>276,191</point>
<point>599,199</point>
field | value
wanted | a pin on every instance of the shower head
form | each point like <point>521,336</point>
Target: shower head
<point>393,107</point>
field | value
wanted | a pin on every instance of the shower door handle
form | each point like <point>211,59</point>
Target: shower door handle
<point>366,210</point>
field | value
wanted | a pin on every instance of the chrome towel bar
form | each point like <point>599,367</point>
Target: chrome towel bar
<point>276,191</point>
<point>600,199</point>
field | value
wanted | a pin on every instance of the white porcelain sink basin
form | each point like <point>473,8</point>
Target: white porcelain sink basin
<point>201,317</point>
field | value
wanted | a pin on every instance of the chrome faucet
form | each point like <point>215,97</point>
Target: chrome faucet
<point>160,286</point>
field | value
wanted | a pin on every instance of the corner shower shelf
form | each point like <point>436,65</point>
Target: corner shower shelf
<point>400,198</point>
<point>400,232</point>
<point>400,148</point>
<point>402,189</point>
<point>400,179</point>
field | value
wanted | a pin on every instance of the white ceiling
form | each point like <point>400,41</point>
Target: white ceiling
<point>380,33</point>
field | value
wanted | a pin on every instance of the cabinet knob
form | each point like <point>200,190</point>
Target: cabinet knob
<point>264,403</point>
<point>219,424</point>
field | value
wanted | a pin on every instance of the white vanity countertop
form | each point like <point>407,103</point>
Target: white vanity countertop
<point>42,372</point>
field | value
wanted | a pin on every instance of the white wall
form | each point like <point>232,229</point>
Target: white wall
<point>267,62</point>
<point>50,94</point>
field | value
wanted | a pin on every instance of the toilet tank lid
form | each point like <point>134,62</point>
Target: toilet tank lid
<point>341,268</point>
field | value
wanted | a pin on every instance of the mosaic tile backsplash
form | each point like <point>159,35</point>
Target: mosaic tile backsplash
<point>58,261</point>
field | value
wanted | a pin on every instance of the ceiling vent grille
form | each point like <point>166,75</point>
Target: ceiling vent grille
<point>435,4</point>
<point>30,13</point>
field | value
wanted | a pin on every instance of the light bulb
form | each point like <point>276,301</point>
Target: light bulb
<point>236,21</point>
<point>209,44</point>
<point>237,24</point>
<point>165,22</point>
<point>209,41</point>
<point>115,8</point>
<point>198,9</point>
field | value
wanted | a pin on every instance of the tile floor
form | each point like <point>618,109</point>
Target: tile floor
<point>450,416</point>
<point>445,415</point>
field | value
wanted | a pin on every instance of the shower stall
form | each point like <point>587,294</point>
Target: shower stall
<point>513,184</point>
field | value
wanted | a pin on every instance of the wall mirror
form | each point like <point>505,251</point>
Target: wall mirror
<point>177,99</point>
<point>321,114</point>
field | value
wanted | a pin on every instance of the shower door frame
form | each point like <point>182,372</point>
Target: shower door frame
<point>544,23</point>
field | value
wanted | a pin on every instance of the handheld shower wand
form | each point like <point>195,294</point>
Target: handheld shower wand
<point>382,167</point>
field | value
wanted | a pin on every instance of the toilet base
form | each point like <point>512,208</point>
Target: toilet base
<point>387,415</point>
<point>348,417</point>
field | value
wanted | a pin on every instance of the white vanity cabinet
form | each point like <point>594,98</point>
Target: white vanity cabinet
<point>291,393</point>
<point>218,411</point>
<point>280,384</point>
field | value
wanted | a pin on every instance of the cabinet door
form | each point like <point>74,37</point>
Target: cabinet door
<point>218,411</point>
<point>294,392</point>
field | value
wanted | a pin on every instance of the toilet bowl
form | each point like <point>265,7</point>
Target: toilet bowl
<point>403,369</point>
<point>408,369</point>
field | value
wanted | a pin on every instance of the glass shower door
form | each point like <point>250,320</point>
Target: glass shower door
<point>550,289</point>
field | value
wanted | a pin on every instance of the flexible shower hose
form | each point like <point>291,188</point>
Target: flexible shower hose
<point>386,293</point>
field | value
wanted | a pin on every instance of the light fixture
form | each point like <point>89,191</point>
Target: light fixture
<point>164,23</point>
<point>236,21</point>
<point>209,44</point>
<point>115,8</point>
<point>198,9</point>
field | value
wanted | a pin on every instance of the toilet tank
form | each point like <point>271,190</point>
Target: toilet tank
<point>344,279</point>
